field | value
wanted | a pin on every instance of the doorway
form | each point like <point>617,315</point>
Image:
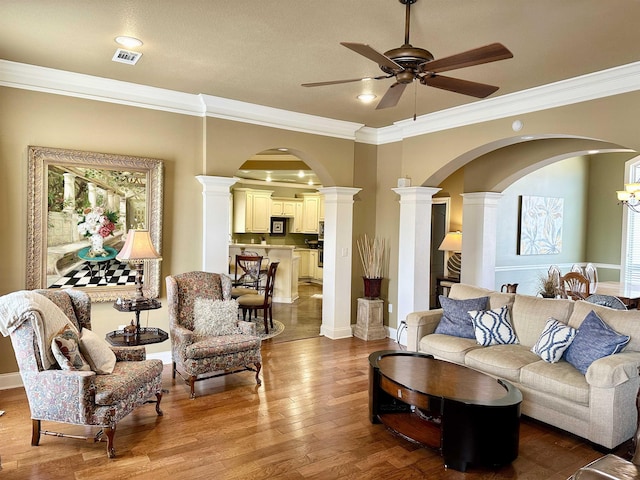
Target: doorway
<point>439,228</point>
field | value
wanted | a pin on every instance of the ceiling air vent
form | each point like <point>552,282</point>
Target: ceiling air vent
<point>126,56</point>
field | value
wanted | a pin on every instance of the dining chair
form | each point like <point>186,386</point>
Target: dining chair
<point>246,277</point>
<point>253,303</point>
<point>591,273</point>
<point>574,285</point>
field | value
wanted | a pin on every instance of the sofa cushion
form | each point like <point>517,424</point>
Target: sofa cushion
<point>460,291</point>
<point>123,384</point>
<point>222,345</point>
<point>456,320</point>
<point>447,347</point>
<point>626,322</point>
<point>558,379</point>
<point>594,340</point>
<point>502,361</point>
<point>493,327</point>
<point>530,314</point>
<point>554,340</point>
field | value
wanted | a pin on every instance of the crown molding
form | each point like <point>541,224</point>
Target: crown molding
<point>605,83</point>
<point>613,81</point>
<point>79,85</point>
<point>238,111</point>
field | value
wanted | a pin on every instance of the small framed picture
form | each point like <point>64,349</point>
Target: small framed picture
<point>277,226</point>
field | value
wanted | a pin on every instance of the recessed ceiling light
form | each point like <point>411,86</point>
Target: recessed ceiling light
<point>300,174</point>
<point>268,179</point>
<point>129,42</point>
<point>366,97</point>
<point>310,182</point>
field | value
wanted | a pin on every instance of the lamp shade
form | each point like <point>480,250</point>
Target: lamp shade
<point>138,246</point>
<point>452,242</point>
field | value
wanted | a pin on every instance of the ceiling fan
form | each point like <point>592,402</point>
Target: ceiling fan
<point>408,63</point>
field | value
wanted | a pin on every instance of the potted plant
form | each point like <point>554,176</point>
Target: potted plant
<point>547,287</point>
<point>373,258</point>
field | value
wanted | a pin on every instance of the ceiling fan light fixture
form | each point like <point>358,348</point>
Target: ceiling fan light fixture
<point>128,42</point>
<point>366,97</point>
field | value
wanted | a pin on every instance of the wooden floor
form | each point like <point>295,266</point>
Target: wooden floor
<point>302,318</point>
<point>308,420</point>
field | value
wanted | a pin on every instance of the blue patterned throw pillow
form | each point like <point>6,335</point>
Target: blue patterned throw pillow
<point>493,327</point>
<point>554,340</point>
<point>594,340</point>
<point>456,320</point>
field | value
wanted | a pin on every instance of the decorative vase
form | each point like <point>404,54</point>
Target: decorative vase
<point>372,287</point>
<point>97,244</point>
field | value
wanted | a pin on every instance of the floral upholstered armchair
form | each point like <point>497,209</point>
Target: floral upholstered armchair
<point>74,392</point>
<point>207,340</point>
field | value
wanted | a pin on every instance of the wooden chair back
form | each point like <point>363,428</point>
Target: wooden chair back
<point>575,286</point>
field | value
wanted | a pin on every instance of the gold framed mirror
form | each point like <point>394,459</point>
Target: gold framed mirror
<point>69,189</point>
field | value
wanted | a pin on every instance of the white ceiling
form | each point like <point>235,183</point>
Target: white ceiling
<point>260,51</point>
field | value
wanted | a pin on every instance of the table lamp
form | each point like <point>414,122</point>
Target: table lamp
<point>138,248</point>
<point>452,243</point>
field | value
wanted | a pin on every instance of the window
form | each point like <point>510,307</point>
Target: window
<point>630,273</point>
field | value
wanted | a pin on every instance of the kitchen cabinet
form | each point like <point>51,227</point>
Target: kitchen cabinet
<point>283,207</point>
<point>251,210</point>
<point>310,212</point>
<point>304,271</point>
<point>295,225</point>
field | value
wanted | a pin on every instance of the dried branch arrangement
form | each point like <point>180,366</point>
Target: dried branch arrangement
<point>372,255</point>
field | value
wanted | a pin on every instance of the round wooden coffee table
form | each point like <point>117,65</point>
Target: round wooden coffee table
<point>470,417</point>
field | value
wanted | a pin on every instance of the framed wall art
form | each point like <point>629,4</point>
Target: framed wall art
<point>540,227</point>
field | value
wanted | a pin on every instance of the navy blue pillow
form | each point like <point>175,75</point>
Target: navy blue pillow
<point>595,339</point>
<point>456,320</point>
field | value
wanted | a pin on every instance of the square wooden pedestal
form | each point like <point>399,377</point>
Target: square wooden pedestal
<point>369,325</point>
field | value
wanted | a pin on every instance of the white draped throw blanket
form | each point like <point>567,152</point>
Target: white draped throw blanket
<point>49,319</point>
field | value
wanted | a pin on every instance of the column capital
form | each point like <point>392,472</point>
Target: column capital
<point>337,192</point>
<point>212,183</point>
<point>481,198</point>
<point>416,193</point>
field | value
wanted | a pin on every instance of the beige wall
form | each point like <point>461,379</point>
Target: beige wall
<point>192,146</point>
<point>32,118</point>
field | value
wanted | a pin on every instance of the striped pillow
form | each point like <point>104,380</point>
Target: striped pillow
<point>554,340</point>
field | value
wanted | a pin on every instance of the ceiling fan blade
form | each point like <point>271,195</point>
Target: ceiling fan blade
<point>477,56</point>
<point>335,82</point>
<point>392,96</point>
<point>366,51</point>
<point>465,87</point>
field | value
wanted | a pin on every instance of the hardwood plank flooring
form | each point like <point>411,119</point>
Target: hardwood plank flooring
<point>308,420</point>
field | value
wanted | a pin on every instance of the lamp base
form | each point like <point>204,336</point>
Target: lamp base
<point>454,265</point>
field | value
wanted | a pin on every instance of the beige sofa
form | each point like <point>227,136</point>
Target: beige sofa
<point>599,406</point>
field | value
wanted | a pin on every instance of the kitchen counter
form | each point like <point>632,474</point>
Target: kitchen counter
<point>286,284</point>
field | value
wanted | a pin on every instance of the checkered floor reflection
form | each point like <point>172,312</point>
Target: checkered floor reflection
<point>115,273</point>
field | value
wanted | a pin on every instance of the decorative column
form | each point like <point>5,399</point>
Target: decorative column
<point>92,194</point>
<point>69,193</point>
<point>336,283</point>
<point>414,249</point>
<point>216,222</point>
<point>480,220</point>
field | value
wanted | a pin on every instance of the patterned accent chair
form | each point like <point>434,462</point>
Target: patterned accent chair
<point>212,356</point>
<point>82,397</point>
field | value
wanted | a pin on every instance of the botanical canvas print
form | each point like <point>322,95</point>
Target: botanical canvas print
<point>540,225</point>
